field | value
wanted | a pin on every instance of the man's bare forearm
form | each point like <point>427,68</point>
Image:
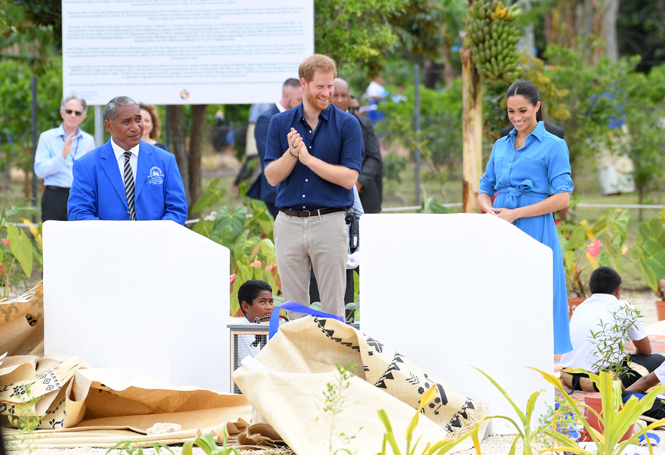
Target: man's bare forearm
<point>280,169</point>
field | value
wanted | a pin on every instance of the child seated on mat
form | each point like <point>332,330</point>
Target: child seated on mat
<point>605,287</point>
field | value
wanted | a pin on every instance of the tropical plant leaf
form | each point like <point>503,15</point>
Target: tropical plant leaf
<point>226,236</point>
<point>222,219</point>
<point>238,220</point>
<point>203,227</point>
<point>239,246</point>
<point>577,238</point>
<point>211,196</point>
<point>646,272</point>
<point>268,251</point>
<point>21,248</point>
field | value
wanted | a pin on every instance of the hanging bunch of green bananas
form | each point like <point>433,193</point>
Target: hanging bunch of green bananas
<point>494,33</point>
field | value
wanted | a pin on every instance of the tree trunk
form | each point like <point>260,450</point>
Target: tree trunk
<point>431,75</point>
<point>598,27</point>
<point>195,147</point>
<point>610,20</point>
<point>177,126</point>
<point>472,101</point>
<point>449,75</point>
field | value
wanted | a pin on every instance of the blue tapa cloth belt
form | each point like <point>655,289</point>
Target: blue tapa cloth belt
<point>514,192</point>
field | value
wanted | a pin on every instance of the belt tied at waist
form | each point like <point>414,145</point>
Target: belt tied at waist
<point>514,192</point>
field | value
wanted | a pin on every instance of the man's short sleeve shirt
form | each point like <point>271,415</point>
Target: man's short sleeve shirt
<point>337,140</point>
<point>587,318</point>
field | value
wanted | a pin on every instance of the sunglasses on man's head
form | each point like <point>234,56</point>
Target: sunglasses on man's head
<point>70,112</point>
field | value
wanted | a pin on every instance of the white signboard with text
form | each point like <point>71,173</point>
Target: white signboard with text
<point>184,52</point>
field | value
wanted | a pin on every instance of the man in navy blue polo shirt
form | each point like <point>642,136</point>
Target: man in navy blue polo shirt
<point>313,157</point>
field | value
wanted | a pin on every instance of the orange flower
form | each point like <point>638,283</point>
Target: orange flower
<point>5,241</point>
<point>232,277</point>
<point>256,263</point>
<point>271,267</point>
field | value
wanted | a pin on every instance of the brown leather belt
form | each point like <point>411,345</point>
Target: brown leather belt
<point>308,213</point>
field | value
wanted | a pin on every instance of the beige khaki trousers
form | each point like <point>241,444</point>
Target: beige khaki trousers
<point>320,242</point>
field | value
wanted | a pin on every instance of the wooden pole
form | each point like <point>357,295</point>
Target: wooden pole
<point>472,99</point>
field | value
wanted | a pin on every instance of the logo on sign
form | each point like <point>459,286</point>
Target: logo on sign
<point>184,94</point>
<point>156,176</point>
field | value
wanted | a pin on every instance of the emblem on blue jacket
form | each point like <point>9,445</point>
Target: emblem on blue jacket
<point>156,176</point>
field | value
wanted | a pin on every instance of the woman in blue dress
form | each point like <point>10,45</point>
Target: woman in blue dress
<point>530,171</point>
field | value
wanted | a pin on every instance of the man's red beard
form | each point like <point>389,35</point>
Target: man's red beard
<point>313,101</point>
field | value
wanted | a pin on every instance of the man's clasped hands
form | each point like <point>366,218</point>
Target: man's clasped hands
<point>298,148</point>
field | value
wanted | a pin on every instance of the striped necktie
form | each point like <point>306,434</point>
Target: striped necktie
<point>129,186</point>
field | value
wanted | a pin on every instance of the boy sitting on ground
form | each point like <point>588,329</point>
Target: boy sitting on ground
<point>605,287</point>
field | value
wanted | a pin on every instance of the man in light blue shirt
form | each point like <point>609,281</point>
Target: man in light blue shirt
<point>56,152</point>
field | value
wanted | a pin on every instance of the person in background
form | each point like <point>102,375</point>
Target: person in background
<point>152,126</point>
<point>374,94</point>
<point>370,179</point>
<point>57,150</point>
<point>291,97</point>
<point>601,307</point>
<point>530,171</point>
<point>250,170</point>
<point>354,106</point>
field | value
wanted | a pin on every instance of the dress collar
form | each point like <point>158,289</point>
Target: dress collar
<point>538,132</point>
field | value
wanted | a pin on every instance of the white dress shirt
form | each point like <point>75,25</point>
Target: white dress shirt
<point>587,317</point>
<point>120,156</point>
<point>280,107</point>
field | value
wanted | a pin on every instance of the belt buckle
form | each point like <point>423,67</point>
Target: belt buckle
<point>309,213</point>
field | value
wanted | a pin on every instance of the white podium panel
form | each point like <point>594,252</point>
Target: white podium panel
<point>461,290</point>
<point>149,296</point>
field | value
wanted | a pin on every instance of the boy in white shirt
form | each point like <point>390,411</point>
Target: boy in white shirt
<point>605,287</point>
<point>256,302</point>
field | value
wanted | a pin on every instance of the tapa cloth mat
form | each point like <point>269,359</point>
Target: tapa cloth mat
<point>95,407</point>
<point>289,376</point>
<point>101,407</point>
<point>22,324</point>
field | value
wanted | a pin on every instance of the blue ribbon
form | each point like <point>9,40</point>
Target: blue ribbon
<point>298,308</point>
<point>515,192</point>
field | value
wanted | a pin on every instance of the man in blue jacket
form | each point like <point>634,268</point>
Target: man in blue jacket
<point>126,178</point>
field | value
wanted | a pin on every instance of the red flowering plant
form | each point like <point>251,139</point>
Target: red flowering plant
<point>17,249</point>
<point>585,247</point>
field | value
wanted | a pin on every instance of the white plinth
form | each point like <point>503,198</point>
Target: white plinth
<point>461,290</point>
<point>149,296</point>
